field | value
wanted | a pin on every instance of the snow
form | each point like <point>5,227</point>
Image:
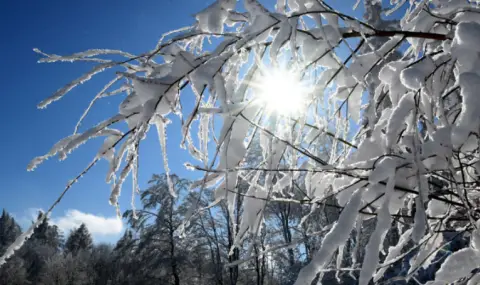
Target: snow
<point>393,253</point>
<point>436,208</point>
<point>419,223</point>
<point>117,185</point>
<point>335,237</point>
<point>468,34</point>
<point>67,88</point>
<point>363,64</point>
<point>115,162</point>
<point>467,16</point>
<point>384,220</point>
<point>469,118</point>
<point>390,75</point>
<point>254,200</point>
<point>417,20</point>
<point>458,265</point>
<point>107,148</point>
<point>281,38</point>
<point>476,238</point>
<point>398,118</point>
<point>212,18</point>
<point>431,243</point>
<point>355,102</point>
<point>162,138</point>
<point>80,55</point>
<point>59,146</point>
<point>21,239</point>
<point>475,280</point>
<point>412,78</point>
<point>383,170</point>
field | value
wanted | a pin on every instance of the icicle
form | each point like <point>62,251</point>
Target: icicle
<point>116,161</point>
<point>117,186</point>
<point>118,211</point>
<point>358,233</point>
<point>308,183</point>
<point>341,248</point>
<point>135,188</point>
<point>281,38</point>
<point>162,137</point>
<point>203,136</point>
<point>281,6</point>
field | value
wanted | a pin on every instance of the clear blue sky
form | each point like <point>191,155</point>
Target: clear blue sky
<point>65,27</point>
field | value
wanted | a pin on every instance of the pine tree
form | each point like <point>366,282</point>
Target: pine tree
<point>13,273</point>
<point>79,239</point>
<point>48,234</point>
<point>101,264</point>
<point>9,230</point>
<point>44,244</point>
<point>66,270</point>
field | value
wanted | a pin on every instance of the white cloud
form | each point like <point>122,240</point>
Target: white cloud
<point>26,218</point>
<point>103,229</point>
<point>99,226</point>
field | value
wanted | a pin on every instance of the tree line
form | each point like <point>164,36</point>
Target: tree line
<point>153,249</point>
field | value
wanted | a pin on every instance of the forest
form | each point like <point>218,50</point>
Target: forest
<point>150,252</point>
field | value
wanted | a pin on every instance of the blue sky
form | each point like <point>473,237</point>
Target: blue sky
<point>65,27</point>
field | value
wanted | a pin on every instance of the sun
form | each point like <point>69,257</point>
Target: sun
<point>281,91</point>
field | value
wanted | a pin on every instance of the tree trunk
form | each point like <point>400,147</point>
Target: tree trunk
<point>257,266</point>
<point>263,264</point>
<point>176,277</point>
<point>218,263</point>
<point>287,234</point>
<point>232,270</point>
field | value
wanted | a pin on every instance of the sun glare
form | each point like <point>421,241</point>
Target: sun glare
<point>282,91</point>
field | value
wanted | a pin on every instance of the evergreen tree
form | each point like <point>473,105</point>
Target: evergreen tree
<point>101,264</point>
<point>44,244</point>
<point>48,235</point>
<point>157,222</point>
<point>66,270</point>
<point>79,239</point>
<point>13,272</point>
<point>9,230</point>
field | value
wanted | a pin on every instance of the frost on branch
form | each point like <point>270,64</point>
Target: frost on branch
<point>20,240</point>
<point>388,133</point>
